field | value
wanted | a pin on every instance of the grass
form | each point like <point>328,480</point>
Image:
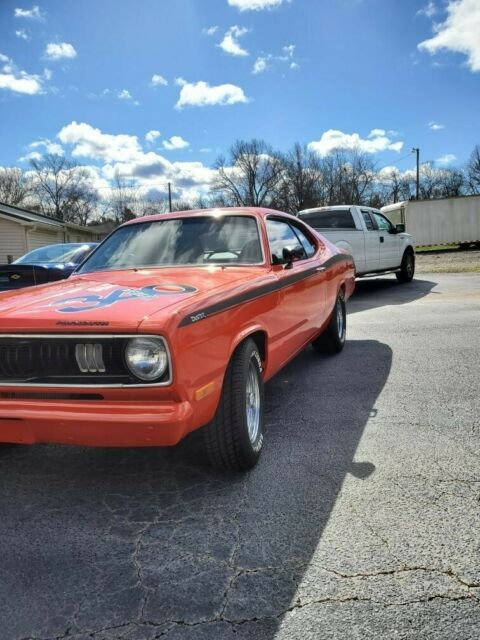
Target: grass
<point>437,247</point>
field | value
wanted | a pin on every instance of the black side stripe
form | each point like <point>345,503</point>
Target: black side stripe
<point>259,292</point>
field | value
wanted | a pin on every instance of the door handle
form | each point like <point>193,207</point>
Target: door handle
<point>320,269</point>
<point>382,239</point>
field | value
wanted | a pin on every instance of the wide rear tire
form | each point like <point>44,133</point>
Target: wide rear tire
<point>234,438</point>
<point>332,340</point>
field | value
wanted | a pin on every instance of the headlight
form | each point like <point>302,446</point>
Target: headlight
<point>146,358</point>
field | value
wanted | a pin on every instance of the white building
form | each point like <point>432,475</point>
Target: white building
<point>22,230</point>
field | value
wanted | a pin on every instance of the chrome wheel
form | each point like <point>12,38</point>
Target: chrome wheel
<point>253,402</point>
<point>340,321</point>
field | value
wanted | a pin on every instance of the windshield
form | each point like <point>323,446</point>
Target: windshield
<point>200,240</point>
<point>56,253</point>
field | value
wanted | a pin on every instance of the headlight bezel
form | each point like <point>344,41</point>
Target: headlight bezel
<point>165,377</point>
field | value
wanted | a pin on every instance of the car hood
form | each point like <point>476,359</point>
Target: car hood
<point>114,301</point>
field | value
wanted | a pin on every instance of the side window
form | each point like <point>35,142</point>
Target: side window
<point>281,236</point>
<point>382,222</point>
<point>308,246</point>
<point>368,220</point>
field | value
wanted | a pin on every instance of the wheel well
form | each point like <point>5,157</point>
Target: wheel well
<point>408,249</point>
<point>260,339</point>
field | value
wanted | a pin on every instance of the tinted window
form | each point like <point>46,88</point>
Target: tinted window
<point>180,241</point>
<point>368,221</point>
<point>306,243</point>
<point>382,222</point>
<point>329,219</point>
<point>281,236</point>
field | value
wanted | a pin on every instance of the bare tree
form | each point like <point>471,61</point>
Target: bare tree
<point>302,185</point>
<point>122,203</point>
<point>15,186</point>
<point>473,171</point>
<point>63,189</point>
<point>250,177</point>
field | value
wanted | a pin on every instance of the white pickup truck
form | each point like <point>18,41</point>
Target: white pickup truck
<point>377,246</point>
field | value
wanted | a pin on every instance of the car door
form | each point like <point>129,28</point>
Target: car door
<point>389,242</point>
<point>301,296</point>
<point>372,242</point>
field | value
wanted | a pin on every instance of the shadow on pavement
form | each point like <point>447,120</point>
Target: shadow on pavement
<point>137,543</point>
<point>371,293</point>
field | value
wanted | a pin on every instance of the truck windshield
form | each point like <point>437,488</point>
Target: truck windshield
<point>199,240</point>
<point>329,219</point>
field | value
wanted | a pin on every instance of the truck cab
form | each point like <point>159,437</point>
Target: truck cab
<point>377,246</point>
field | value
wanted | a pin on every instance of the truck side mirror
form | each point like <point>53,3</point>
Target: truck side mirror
<point>400,228</point>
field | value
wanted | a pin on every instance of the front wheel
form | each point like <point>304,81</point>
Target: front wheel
<point>332,340</point>
<point>234,438</point>
<point>407,268</point>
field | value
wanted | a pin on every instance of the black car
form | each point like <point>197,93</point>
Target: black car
<point>53,262</point>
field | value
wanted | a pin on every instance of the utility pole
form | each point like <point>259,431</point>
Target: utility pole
<point>170,197</point>
<point>417,151</point>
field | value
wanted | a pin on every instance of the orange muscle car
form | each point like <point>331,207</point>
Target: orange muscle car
<point>173,323</point>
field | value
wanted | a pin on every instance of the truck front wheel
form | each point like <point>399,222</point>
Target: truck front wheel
<point>407,268</point>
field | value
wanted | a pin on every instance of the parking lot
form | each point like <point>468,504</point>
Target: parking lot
<point>362,519</point>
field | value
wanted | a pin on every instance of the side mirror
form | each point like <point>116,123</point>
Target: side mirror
<point>400,228</point>
<point>290,255</point>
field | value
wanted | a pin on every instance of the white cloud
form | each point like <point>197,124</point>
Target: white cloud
<point>158,81</point>
<point>260,65</point>
<point>89,142</point>
<point>31,14</point>
<point>46,146</point>
<point>122,154</point>
<point>13,79</point>
<point>376,141</point>
<point>200,94</point>
<point>429,10</point>
<point>22,34</point>
<point>210,31</point>
<point>230,43</point>
<point>256,5</point>
<point>175,142</point>
<point>152,135</point>
<point>124,94</point>
<point>263,62</point>
<point>447,158</point>
<point>434,126</point>
<point>459,33</point>
<point>59,50</point>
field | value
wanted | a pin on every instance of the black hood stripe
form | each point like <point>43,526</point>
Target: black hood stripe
<point>258,292</point>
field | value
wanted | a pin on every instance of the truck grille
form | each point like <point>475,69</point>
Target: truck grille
<point>63,361</point>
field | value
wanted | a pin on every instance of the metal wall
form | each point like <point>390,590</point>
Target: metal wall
<point>446,221</point>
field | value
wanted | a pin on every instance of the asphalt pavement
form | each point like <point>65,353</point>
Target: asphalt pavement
<point>361,521</point>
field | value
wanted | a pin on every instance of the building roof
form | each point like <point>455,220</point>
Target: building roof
<point>25,215</point>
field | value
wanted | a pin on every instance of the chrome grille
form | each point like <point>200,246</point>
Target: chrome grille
<point>59,360</point>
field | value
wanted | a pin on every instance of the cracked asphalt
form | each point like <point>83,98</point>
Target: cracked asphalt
<point>362,519</point>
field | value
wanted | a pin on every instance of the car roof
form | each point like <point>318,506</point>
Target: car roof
<point>258,212</point>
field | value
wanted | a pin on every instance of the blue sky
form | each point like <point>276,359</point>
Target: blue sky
<point>76,77</point>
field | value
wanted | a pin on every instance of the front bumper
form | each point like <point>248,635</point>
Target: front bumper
<point>92,423</point>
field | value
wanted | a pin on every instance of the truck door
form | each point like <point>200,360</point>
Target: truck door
<point>389,242</point>
<point>372,242</point>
